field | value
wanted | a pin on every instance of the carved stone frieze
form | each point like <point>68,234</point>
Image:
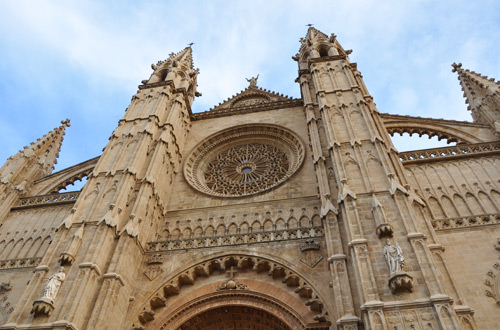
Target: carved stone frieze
<point>232,285</point>
<point>20,263</point>
<point>235,239</point>
<point>466,221</point>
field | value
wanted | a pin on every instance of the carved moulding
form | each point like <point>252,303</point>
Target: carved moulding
<point>244,160</point>
<point>215,266</point>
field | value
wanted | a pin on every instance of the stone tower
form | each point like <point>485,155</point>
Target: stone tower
<point>264,212</point>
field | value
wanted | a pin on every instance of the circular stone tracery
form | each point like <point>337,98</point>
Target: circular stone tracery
<point>244,161</point>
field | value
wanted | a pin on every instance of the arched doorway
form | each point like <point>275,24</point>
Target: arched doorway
<point>233,318</point>
<point>232,282</point>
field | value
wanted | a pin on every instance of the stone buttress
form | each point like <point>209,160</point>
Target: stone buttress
<point>100,244</point>
<point>367,201</point>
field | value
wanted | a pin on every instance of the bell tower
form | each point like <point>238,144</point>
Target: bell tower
<point>381,247</point>
<point>100,243</point>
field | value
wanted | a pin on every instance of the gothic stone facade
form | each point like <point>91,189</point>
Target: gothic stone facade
<point>266,212</point>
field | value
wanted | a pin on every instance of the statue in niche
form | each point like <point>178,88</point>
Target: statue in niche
<point>53,285</point>
<point>394,257</point>
<point>253,81</point>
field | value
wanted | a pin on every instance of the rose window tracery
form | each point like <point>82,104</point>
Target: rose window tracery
<point>244,161</point>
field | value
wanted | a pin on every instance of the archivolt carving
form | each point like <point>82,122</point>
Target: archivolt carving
<point>275,270</point>
<point>244,160</point>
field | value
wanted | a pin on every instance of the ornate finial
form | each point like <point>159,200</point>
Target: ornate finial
<point>66,122</point>
<point>253,81</point>
<point>190,44</point>
<point>456,67</point>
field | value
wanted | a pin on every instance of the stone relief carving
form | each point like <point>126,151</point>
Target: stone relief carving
<point>311,254</point>
<point>5,306</point>
<point>154,266</point>
<point>231,284</point>
<point>493,283</point>
<point>5,286</point>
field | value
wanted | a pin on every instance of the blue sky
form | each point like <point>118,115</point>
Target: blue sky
<point>83,60</point>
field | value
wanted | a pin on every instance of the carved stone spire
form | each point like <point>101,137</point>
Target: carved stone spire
<point>482,94</point>
<point>34,161</point>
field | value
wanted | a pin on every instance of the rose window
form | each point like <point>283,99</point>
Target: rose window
<point>244,161</point>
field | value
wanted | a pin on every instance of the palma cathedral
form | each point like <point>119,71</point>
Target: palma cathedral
<point>264,212</point>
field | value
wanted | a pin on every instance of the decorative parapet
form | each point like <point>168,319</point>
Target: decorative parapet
<point>467,221</point>
<point>235,239</point>
<point>459,151</point>
<point>247,109</point>
<point>50,199</point>
<point>19,263</point>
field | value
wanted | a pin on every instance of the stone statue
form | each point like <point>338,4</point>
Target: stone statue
<point>253,81</point>
<point>394,257</point>
<point>53,284</point>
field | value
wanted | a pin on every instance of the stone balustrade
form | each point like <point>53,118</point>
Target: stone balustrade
<point>234,239</point>
<point>467,221</point>
<point>68,197</point>
<point>462,150</point>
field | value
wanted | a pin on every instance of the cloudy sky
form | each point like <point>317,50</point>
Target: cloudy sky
<point>83,60</point>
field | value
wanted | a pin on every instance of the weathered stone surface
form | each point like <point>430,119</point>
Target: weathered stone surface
<point>272,209</point>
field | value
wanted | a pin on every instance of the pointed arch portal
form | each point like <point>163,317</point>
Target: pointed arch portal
<point>265,294</point>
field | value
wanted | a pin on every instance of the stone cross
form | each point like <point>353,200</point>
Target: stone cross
<point>231,273</point>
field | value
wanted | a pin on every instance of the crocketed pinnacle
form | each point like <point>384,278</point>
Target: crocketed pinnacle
<point>184,58</point>
<point>38,158</point>
<point>481,93</point>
